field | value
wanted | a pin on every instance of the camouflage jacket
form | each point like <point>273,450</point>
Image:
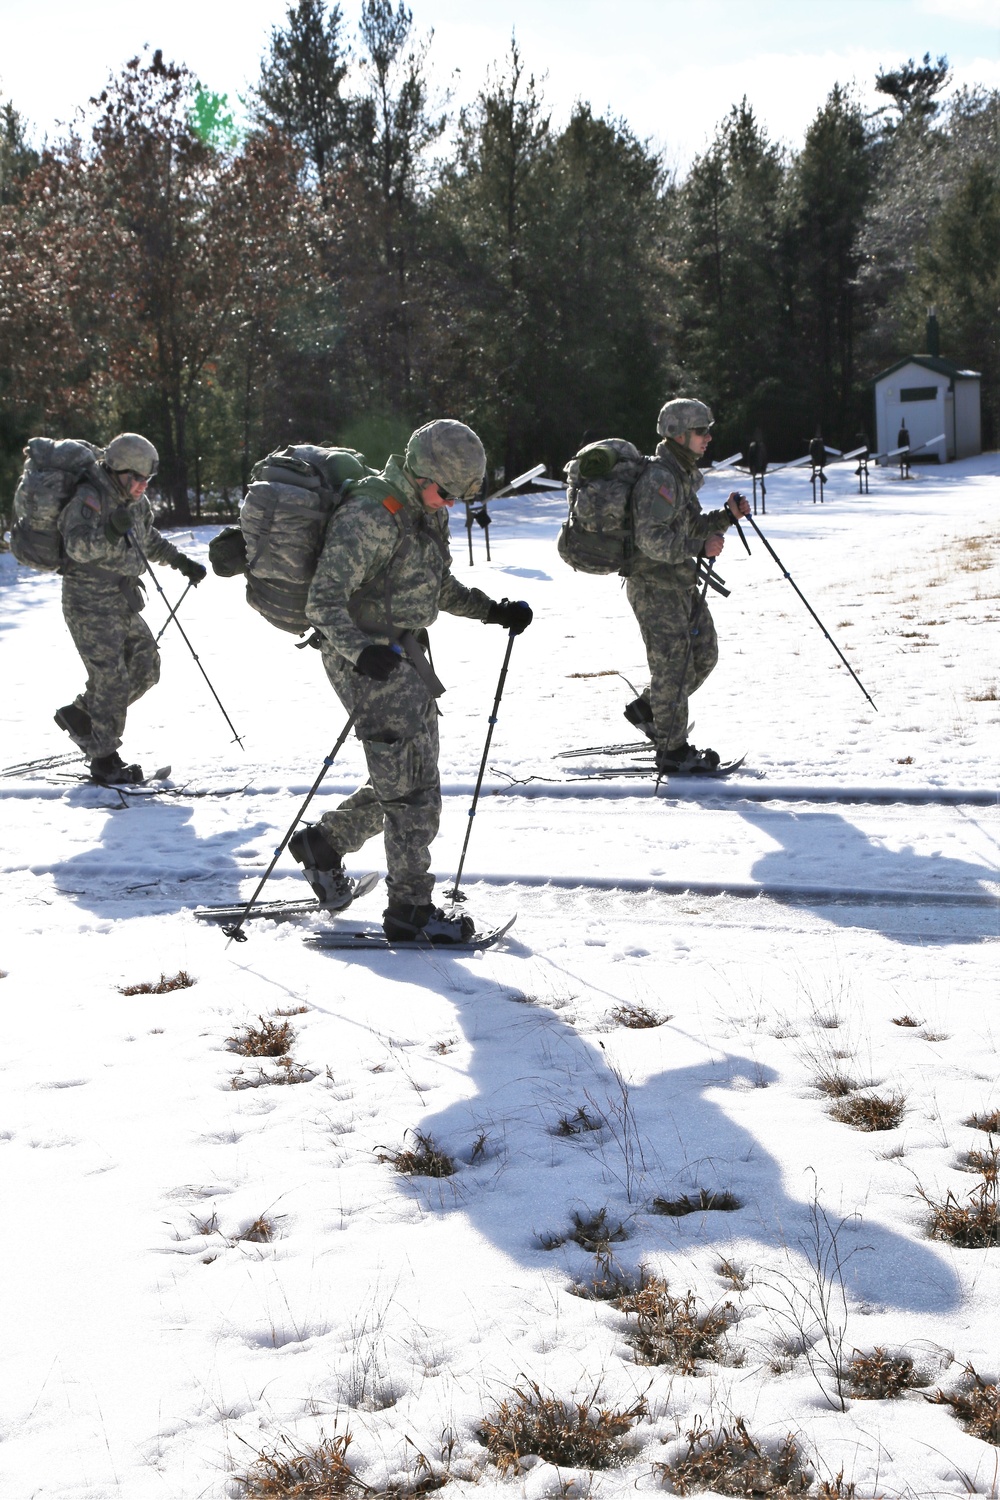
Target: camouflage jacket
<point>385,567</point>
<point>89,554</point>
<point>670,525</point>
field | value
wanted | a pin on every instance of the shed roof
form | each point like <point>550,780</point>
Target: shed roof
<point>929,362</point>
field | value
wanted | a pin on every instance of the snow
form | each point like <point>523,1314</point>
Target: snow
<point>780,920</point>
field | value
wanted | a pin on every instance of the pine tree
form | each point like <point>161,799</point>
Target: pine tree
<point>299,89</point>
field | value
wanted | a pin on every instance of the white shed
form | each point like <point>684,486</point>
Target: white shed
<point>928,395</point>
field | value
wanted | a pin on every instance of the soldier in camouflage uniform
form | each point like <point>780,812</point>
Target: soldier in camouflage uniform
<point>382,578</point>
<point>671,533</point>
<point>108,533</point>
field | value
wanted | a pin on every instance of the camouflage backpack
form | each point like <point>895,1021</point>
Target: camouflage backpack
<point>48,481</point>
<point>597,536</point>
<point>292,495</point>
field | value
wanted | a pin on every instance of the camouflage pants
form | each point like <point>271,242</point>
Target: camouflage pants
<point>665,619</point>
<point>119,653</point>
<point>397,727</point>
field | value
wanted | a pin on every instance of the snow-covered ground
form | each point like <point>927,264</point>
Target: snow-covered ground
<point>777,923</point>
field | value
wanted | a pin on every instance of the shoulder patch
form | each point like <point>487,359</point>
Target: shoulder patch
<point>392,505</point>
<point>92,503</point>
<point>668,497</point>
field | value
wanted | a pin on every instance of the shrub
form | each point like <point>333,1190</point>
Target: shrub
<point>269,1039</point>
<point>638,1017</point>
<point>180,981</point>
<point>575,1434</point>
<point>989,1122</point>
<point>671,1330</point>
<point>880,1376</point>
<point>973,1225</point>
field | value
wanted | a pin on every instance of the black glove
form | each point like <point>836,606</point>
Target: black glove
<point>378,662</point>
<point>119,522</point>
<point>512,614</point>
<point>193,571</point>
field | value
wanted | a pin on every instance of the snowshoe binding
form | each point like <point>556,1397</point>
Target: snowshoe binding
<point>111,770</point>
<point>323,867</point>
<point>426,924</point>
<point>685,760</point>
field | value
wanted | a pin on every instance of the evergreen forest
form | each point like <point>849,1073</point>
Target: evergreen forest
<point>357,258</point>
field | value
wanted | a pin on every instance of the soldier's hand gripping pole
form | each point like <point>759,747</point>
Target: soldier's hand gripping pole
<point>174,611</point>
<point>692,632</point>
<point>145,560</point>
<point>235,930</point>
<point>455,894</point>
<point>819,622</point>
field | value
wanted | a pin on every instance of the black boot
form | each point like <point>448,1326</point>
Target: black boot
<point>426,924</point>
<point>640,713</point>
<point>111,770</point>
<point>75,720</point>
<point>685,760</point>
<point>322,866</point>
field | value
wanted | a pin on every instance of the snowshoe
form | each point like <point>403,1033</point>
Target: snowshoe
<point>75,720</point>
<point>323,868</point>
<point>111,770</point>
<point>426,924</point>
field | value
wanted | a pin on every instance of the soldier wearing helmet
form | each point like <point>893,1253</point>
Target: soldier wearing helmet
<point>383,576</point>
<point>108,533</point>
<point>672,533</point>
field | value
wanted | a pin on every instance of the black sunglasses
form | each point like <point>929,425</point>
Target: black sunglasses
<point>700,431</point>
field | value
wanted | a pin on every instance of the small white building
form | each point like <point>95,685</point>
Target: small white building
<point>928,396</point>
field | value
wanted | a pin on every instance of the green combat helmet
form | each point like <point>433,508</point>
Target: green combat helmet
<point>681,415</point>
<point>128,451</point>
<point>450,454</point>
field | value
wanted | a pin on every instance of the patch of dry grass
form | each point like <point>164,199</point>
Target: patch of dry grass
<point>972,1225</point>
<point>989,1122</point>
<point>702,1202</point>
<point>577,1123</point>
<point>906,1020</point>
<point>977,1407</point>
<point>575,1434</point>
<point>637,1017</point>
<point>180,981</point>
<point>288,1072</point>
<point>880,1376</point>
<point>322,1473</point>
<point>731,1462</point>
<point>423,1159</point>
<point>834,1083</point>
<point>985,1163</point>
<point>673,1330</point>
<point>870,1111</point>
<point>593,1232</point>
<point>269,1039</point>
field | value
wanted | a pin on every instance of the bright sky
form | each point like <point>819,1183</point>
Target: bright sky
<point>671,68</point>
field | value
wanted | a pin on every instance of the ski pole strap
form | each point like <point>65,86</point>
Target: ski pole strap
<point>420,664</point>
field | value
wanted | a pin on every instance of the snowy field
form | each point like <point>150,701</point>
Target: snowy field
<point>201,1266</point>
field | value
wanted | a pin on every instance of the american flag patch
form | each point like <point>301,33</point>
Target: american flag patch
<point>668,497</point>
<point>92,504</point>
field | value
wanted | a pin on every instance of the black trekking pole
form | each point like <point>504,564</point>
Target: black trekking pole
<point>455,894</point>
<point>815,616</point>
<point>187,643</point>
<point>173,612</point>
<point>235,930</point>
<point>692,632</point>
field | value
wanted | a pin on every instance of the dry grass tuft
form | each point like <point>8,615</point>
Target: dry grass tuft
<point>880,1376</point>
<point>318,1473</point>
<point>870,1111</point>
<point>261,1232</point>
<point>989,1122</point>
<point>269,1039</point>
<point>985,1163</point>
<point>637,1017</point>
<point>180,981</point>
<point>671,1330</point>
<point>577,1124</point>
<point>593,1232</point>
<point>977,1407</point>
<point>988,694</point>
<point>725,1201</point>
<point>906,1021</point>
<point>423,1159</point>
<point>834,1084</point>
<point>973,1225</point>
<point>577,1434</point>
<point>288,1072</point>
<point>293,1010</point>
<point>734,1274</point>
<point>732,1463</point>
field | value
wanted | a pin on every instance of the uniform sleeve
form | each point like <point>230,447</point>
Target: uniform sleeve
<point>456,599</point>
<point>360,541</point>
<point>156,547</point>
<point>82,524</point>
<point>666,529</point>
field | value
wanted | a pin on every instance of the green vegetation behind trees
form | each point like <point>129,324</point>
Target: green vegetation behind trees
<point>355,261</point>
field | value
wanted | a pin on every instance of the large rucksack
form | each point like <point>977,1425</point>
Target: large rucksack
<point>597,536</point>
<point>49,479</point>
<point>292,495</point>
